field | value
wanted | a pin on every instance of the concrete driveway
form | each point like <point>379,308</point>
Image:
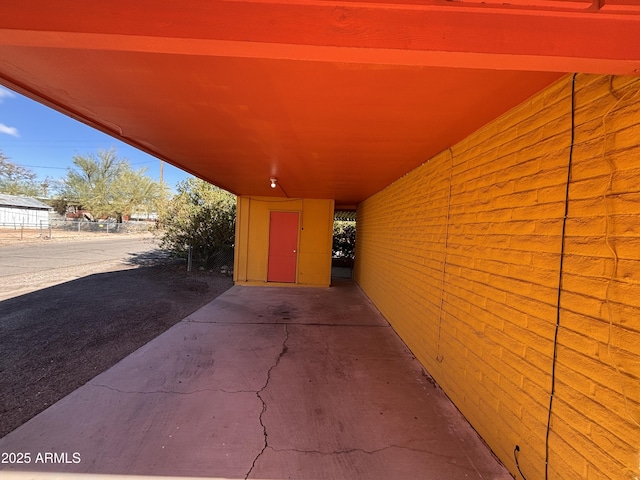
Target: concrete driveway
<point>263,382</point>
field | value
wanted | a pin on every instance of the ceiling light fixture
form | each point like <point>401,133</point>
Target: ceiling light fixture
<point>273,181</point>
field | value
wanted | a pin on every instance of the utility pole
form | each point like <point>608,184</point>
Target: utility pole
<point>161,171</point>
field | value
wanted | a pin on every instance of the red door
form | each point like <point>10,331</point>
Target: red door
<point>283,246</point>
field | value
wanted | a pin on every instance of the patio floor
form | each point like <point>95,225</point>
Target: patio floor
<point>268,383</point>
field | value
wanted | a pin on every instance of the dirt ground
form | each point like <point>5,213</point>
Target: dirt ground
<point>58,338</point>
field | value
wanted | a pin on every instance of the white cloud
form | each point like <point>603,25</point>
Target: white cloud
<point>9,130</point>
<point>4,93</point>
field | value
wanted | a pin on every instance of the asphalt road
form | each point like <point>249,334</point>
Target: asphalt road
<point>30,266</point>
<point>43,256</point>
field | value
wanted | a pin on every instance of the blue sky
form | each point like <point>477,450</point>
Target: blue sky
<point>46,141</point>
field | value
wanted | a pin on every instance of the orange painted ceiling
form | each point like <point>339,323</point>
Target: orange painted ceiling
<point>336,99</point>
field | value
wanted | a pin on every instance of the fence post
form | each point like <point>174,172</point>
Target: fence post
<point>21,231</point>
<point>189,258</point>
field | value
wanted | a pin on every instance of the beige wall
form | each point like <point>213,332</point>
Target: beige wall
<point>462,256</point>
<point>314,237</point>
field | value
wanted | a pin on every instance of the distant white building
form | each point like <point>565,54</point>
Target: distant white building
<point>143,216</point>
<point>23,212</point>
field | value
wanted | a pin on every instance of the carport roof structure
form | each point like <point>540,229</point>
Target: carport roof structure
<point>336,99</point>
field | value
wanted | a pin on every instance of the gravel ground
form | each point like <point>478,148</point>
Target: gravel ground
<point>56,339</point>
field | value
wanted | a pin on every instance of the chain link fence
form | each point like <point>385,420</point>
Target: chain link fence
<point>101,227</point>
<point>216,259</point>
<point>69,228</point>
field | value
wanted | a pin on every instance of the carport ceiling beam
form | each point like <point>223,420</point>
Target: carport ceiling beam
<point>535,35</point>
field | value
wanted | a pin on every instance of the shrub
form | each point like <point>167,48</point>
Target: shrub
<point>200,215</point>
<point>344,239</point>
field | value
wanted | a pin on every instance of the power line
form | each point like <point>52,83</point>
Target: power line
<point>64,168</point>
<point>41,166</point>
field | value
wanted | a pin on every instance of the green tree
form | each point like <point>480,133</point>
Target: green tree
<point>106,186</point>
<point>17,180</point>
<point>59,206</point>
<point>202,216</point>
<point>344,239</point>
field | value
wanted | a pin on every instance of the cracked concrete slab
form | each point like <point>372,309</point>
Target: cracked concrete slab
<point>264,405</point>
<point>196,356</point>
<point>264,382</point>
<point>396,424</point>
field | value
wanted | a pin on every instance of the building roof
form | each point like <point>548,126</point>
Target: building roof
<point>335,99</point>
<point>22,202</point>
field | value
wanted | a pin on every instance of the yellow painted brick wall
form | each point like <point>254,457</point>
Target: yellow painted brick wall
<point>462,256</point>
